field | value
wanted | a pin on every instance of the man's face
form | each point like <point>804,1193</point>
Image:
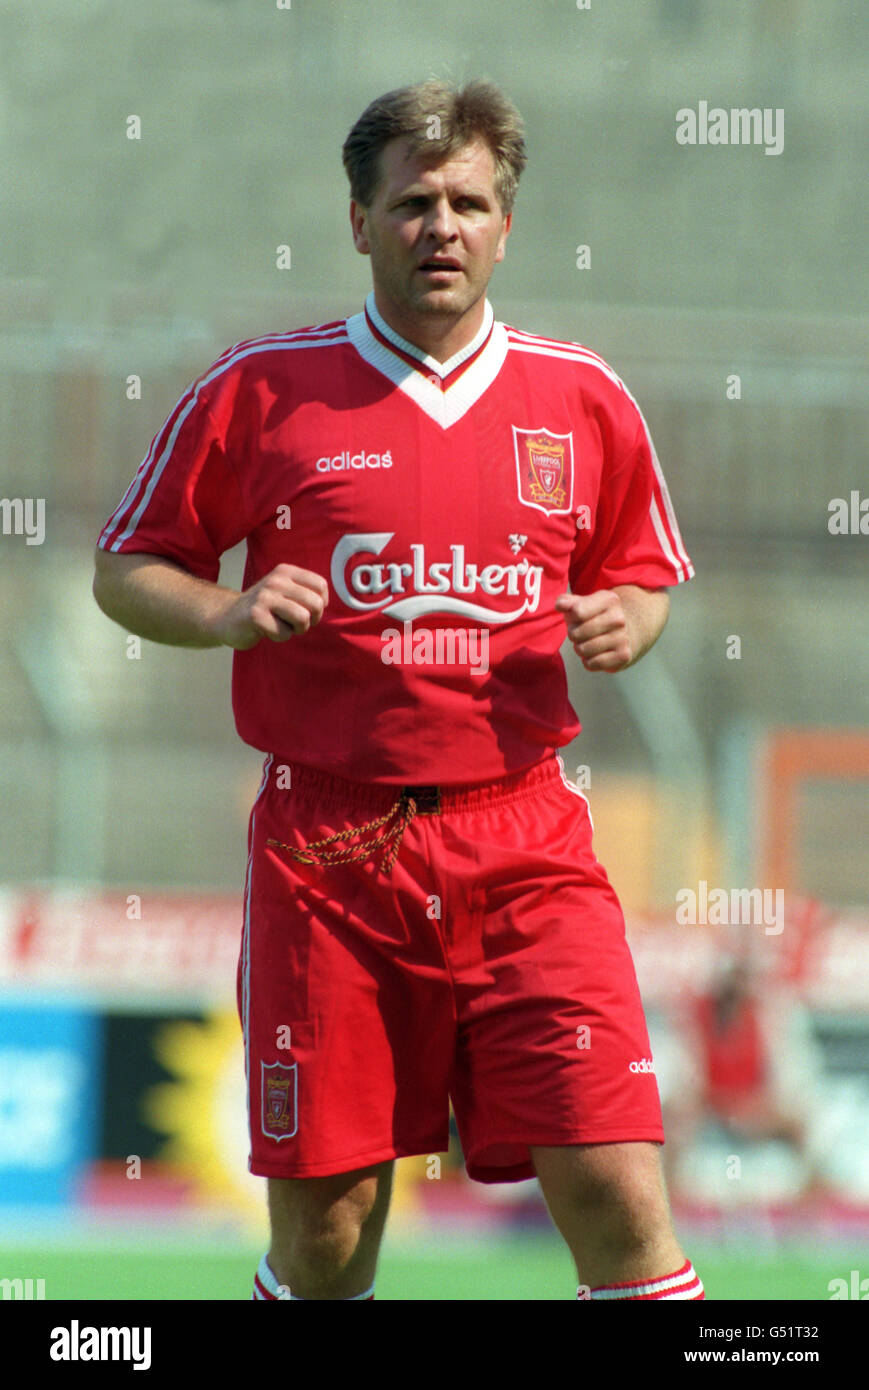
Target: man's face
<point>434,232</point>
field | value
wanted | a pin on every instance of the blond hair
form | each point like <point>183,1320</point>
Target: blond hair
<point>437,119</point>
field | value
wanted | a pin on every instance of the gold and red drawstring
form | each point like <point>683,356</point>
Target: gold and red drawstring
<point>411,802</point>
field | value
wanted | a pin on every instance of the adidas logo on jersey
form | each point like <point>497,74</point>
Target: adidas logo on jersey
<point>645,1064</point>
<point>338,462</point>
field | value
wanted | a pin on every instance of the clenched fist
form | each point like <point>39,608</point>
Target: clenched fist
<point>613,628</point>
<point>283,604</point>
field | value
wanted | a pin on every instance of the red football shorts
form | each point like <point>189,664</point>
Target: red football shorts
<point>487,966</point>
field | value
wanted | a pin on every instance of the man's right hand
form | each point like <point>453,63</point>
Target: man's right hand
<point>158,599</point>
<point>286,603</point>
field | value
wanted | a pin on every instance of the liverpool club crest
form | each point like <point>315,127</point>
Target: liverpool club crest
<point>279,1094</point>
<point>544,469</point>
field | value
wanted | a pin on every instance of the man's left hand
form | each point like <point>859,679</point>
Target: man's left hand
<point>613,628</point>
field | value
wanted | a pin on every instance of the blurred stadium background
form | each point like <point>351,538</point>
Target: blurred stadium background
<point>124,791</point>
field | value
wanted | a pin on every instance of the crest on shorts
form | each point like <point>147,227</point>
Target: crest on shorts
<point>279,1096</point>
<point>544,469</point>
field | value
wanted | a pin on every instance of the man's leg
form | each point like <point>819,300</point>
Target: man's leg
<point>326,1232</point>
<point>610,1204</point>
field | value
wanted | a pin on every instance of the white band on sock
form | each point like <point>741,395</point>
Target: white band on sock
<point>684,1284</point>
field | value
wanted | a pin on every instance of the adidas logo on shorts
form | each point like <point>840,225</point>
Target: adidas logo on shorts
<point>645,1064</point>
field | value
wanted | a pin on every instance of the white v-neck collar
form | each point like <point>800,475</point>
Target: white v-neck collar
<point>424,383</point>
<point>441,369</point>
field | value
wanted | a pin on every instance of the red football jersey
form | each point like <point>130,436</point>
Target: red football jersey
<point>733,1056</point>
<point>447,505</point>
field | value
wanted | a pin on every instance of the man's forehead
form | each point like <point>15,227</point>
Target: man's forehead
<point>400,164</point>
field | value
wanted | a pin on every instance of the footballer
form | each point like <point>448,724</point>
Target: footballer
<point>431,501</point>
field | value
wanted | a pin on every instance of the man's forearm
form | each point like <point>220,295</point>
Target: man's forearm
<point>646,612</point>
<point>158,600</point>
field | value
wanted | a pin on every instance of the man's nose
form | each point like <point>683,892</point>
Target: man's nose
<point>442,222</point>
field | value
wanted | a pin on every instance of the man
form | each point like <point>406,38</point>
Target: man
<point>749,1081</point>
<point>424,916</point>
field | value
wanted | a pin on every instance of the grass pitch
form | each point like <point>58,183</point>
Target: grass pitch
<point>440,1269</point>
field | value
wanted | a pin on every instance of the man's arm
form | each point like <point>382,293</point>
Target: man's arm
<point>611,629</point>
<point>161,601</point>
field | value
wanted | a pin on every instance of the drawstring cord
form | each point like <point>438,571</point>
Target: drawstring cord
<point>317,851</point>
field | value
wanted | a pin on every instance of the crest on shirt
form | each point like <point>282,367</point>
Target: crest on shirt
<point>544,469</point>
<point>279,1095</point>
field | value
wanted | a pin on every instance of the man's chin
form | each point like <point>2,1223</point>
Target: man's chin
<point>448,302</point>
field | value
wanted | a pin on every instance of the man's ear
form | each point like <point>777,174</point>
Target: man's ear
<point>358,224</point>
<point>505,232</point>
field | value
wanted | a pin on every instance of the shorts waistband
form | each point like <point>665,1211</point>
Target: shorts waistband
<point>316,784</point>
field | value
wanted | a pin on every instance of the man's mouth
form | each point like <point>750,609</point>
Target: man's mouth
<point>437,266</point>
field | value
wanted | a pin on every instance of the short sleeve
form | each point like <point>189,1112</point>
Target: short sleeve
<point>634,536</point>
<point>185,502</point>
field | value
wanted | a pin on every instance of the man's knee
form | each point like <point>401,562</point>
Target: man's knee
<point>610,1204</point>
<point>320,1226</point>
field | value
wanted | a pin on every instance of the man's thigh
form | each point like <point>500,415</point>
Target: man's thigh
<point>589,1186</point>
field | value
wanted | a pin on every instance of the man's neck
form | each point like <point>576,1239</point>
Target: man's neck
<point>440,337</point>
